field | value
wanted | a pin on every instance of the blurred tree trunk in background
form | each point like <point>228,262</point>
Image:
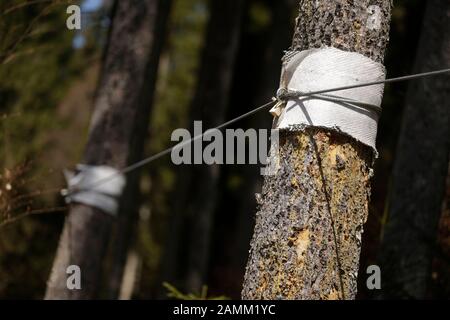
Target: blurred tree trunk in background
<point>116,138</point>
<point>192,219</point>
<point>128,214</point>
<point>277,39</point>
<point>209,105</point>
<point>420,167</point>
<point>440,273</point>
<point>306,242</point>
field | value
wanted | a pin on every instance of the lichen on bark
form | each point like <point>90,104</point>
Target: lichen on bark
<point>307,237</point>
<point>293,249</point>
<point>352,25</point>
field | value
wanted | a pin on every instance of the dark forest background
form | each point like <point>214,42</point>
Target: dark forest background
<point>48,79</point>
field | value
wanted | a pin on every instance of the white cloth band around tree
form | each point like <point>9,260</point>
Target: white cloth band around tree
<point>96,186</point>
<point>354,112</point>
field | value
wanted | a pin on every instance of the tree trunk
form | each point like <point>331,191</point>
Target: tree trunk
<point>440,270</point>
<point>307,237</point>
<point>116,138</point>
<point>420,167</point>
<point>192,219</point>
<point>209,105</point>
<point>277,40</point>
<point>128,214</point>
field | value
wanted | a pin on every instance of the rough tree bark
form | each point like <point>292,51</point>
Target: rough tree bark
<point>116,138</point>
<point>197,194</point>
<point>307,237</point>
<point>421,165</point>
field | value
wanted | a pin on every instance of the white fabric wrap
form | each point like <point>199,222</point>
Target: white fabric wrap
<point>96,186</point>
<point>318,69</point>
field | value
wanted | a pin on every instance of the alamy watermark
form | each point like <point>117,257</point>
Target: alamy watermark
<point>233,146</point>
<point>73,281</point>
<point>73,21</point>
<point>374,280</point>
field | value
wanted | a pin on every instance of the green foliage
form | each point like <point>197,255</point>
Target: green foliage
<point>37,66</point>
<point>173,292</point>
<point>34,45</point>
<point>260,16</point>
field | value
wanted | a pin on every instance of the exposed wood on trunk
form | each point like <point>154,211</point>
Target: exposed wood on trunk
<point>319,197</point>
<point>420,167</point>
<point>118,129</point>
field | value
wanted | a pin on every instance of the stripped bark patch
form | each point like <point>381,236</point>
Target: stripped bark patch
<point>293,245</point>
<point>300,241</point>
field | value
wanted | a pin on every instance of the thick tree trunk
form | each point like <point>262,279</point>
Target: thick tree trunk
<point>193,217</point>
<point>118,128</point>
<point>420,167</point>
<point>307,237</point>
